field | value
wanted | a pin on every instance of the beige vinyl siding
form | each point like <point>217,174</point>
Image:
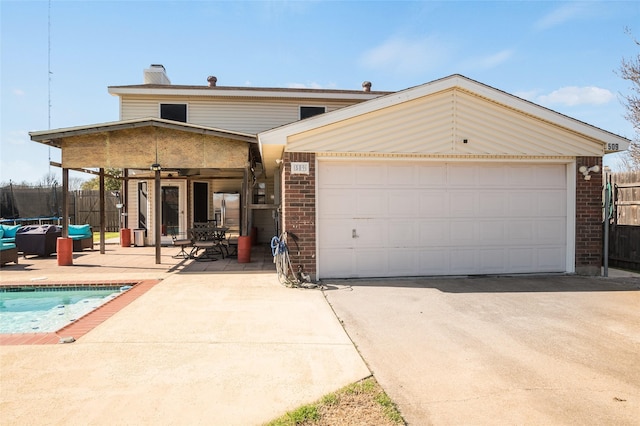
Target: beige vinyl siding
<point>438,124</point>
<point>243,115</point>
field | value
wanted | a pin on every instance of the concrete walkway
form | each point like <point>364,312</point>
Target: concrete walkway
<point>225,348</point>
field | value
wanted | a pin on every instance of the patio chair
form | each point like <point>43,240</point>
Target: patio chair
<point>183,243</point>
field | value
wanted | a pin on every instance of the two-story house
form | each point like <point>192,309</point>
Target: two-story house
<point>452,177</point>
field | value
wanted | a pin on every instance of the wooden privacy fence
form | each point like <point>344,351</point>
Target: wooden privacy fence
<point>86,209</point>
<point>624,225</point>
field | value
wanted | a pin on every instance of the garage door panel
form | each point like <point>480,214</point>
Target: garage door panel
<point>434,262</point>
<point>520,204</point>
<point>432,176</point>
<point>552,203</point>
<point>370,233</point>
<point>550,176</point>
<point>491,232</point>
<point>401,176</point>
<point>434,233</point>
<point>403,203</point>
<point>372,261</point>
<point>336,174</point>
<point>370,203</point>
<point>442,219</point>
<point>403,262</point>
<point>522,259</point>
<point>464,261</point>
<point>462,232</point>
<point>463,204</point>
<point>367,175</point>
<point>335,202</point>
<point>493,261</point>
<point>336,233</point>
<point>520,231</point>
<point>551,259</point>
<point>402,234</point>
<point>550,231</point>
<point>461,176</point>
<point>492,204</point>
<point>340,262</point>
<point>434,203</point>
<point>491,176</point>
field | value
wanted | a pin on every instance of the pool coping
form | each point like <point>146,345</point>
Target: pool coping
<point>73,331</point>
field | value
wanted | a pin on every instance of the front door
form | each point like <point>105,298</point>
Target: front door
<point>170,210</point>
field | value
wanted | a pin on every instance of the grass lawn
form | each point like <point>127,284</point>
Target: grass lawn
<point>107,235</point>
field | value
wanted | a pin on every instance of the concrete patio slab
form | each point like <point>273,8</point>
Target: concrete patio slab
<point>198,348</point>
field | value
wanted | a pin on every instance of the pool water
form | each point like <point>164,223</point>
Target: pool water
<point>38,310</point>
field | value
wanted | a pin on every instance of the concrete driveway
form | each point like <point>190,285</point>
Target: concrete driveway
<point>527,351</point>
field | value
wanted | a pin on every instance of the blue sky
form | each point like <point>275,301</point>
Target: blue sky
<point>562,55</point>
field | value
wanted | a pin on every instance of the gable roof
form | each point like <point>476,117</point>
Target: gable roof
<point>53,137</point>
<point>477,92</point>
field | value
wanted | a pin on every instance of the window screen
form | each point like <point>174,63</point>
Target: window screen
<point>175,112</point>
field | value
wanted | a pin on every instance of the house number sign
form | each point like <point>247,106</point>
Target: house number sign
<point>299,168</point>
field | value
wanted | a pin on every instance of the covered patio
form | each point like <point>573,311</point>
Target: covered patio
<point>159,151</point>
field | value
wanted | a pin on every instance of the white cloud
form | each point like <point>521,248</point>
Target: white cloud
<point>18,92</point>
<point>406,56</point>
<point>560,15</point>
<point>490,61</point>
<point>573,95</point>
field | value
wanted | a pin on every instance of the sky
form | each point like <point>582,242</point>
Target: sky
<point>57,58</point>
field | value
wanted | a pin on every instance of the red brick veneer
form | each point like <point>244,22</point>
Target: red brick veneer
<point>299,211</point>
<point>588,218</point>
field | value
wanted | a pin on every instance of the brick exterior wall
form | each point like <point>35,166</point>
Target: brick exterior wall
<point>299,211</point>
<point>588,218</point>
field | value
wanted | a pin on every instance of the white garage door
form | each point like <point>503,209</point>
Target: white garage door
<point>395,218</point>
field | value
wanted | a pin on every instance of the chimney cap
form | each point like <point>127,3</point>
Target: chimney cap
<point>212,79</point>
<point>366,85</point>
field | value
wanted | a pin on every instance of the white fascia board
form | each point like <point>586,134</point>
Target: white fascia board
<point>239,93</point>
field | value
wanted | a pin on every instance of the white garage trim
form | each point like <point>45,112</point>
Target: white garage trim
<point>457,218</point>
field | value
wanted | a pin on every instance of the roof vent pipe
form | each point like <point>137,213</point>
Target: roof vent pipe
<point>366,86</point>
<point>212,80</point>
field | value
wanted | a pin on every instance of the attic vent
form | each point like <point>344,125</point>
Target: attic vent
<point>212,79</point>
<point>156,74</point>
<point>366,86</point>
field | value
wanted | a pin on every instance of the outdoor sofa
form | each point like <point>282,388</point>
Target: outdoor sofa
<point>8,249</point>
<point>82,237</point>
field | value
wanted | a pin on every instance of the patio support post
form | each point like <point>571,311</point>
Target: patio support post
<point>158,215</point>
<point>246,199</point>
<point>65,202</point>
<point>102,211</point>
<point>125,198</point>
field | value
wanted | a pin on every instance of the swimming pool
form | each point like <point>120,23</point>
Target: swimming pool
<point>47,309</point>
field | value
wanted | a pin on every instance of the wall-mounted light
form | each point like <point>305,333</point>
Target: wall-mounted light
<point>156,167</point>
<point>585,171</point>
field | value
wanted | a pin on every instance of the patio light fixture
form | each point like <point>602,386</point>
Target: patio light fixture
<point>156,167</point>
<point>585,171</point>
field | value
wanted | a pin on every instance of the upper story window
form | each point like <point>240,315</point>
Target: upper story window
<point>310,111</point>
<point>175,112</point>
